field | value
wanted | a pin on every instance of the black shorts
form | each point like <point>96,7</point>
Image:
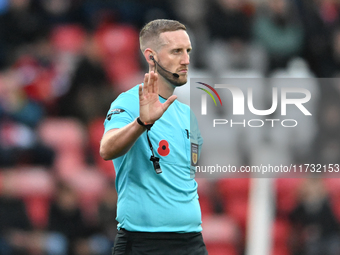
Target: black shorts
<point>160,243</point>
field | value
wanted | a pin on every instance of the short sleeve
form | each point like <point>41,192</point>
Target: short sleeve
<point>122,111</point>
<point>194,128</point>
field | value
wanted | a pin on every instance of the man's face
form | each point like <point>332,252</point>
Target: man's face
<point>173,55</point>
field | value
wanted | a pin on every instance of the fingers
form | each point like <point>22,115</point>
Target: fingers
<point>145,84</point>
<point>155,84</point>
<point>168,102</point>
<point>150,83</point>
<point>140,91</point>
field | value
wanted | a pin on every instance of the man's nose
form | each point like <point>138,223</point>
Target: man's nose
<point>185,59</point>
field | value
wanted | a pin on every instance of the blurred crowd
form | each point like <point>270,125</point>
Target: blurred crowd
<point>62,62</point>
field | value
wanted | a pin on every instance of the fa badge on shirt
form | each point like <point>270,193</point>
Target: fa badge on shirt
<point>194,154</point>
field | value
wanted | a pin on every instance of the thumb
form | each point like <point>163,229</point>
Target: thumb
<point>168,102</point>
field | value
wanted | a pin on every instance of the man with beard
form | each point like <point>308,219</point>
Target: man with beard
<point>150,137</point>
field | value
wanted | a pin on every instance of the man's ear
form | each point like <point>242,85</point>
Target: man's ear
<point>149,56</point>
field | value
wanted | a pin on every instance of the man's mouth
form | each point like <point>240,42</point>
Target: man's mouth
<point>183,71</point>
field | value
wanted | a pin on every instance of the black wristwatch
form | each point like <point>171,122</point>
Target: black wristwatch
<point>147,126</point>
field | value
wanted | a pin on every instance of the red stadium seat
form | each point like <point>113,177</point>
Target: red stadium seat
<point>37,209</point>
<point>68,38</point>
<point>120,50</point>
<point>280,250</point>
<point>96,131</point>
<point>63,133</point>
<point>221,249</point>
<point>221,234</point>
<point>68,138</point>
<point>121,69</point>
<point>90,185</point>
<point>29,181</point>
<point>287,192</point>
<point>333,187</point>
<point>118,41</point>
<point>35,186</point>
<point>235,194</point>
<point>36,80</point>
<point>203,191</point>
<point>280,232</point>
<point>220,229</point>
<point>238,210</point>
<point>232,188</point>
<point>206,206</point>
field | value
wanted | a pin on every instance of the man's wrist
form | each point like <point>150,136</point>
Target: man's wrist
<point>146,125</point>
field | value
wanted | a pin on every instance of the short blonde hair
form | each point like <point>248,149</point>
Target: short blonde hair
<point>151,31</point>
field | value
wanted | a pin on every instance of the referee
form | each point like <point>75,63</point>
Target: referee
<point>151,137</point>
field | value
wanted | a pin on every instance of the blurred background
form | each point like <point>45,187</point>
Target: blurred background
<point>62,62</point>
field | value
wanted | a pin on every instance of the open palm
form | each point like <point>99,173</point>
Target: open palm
<point>151,109</point>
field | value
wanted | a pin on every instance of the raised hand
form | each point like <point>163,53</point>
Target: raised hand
<point>151,109</point>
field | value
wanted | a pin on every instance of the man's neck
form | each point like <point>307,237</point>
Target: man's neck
<point>165,91</point>
<point>165,88</point>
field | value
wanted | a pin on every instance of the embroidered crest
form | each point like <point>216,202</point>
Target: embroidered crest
<point>194,154</point>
